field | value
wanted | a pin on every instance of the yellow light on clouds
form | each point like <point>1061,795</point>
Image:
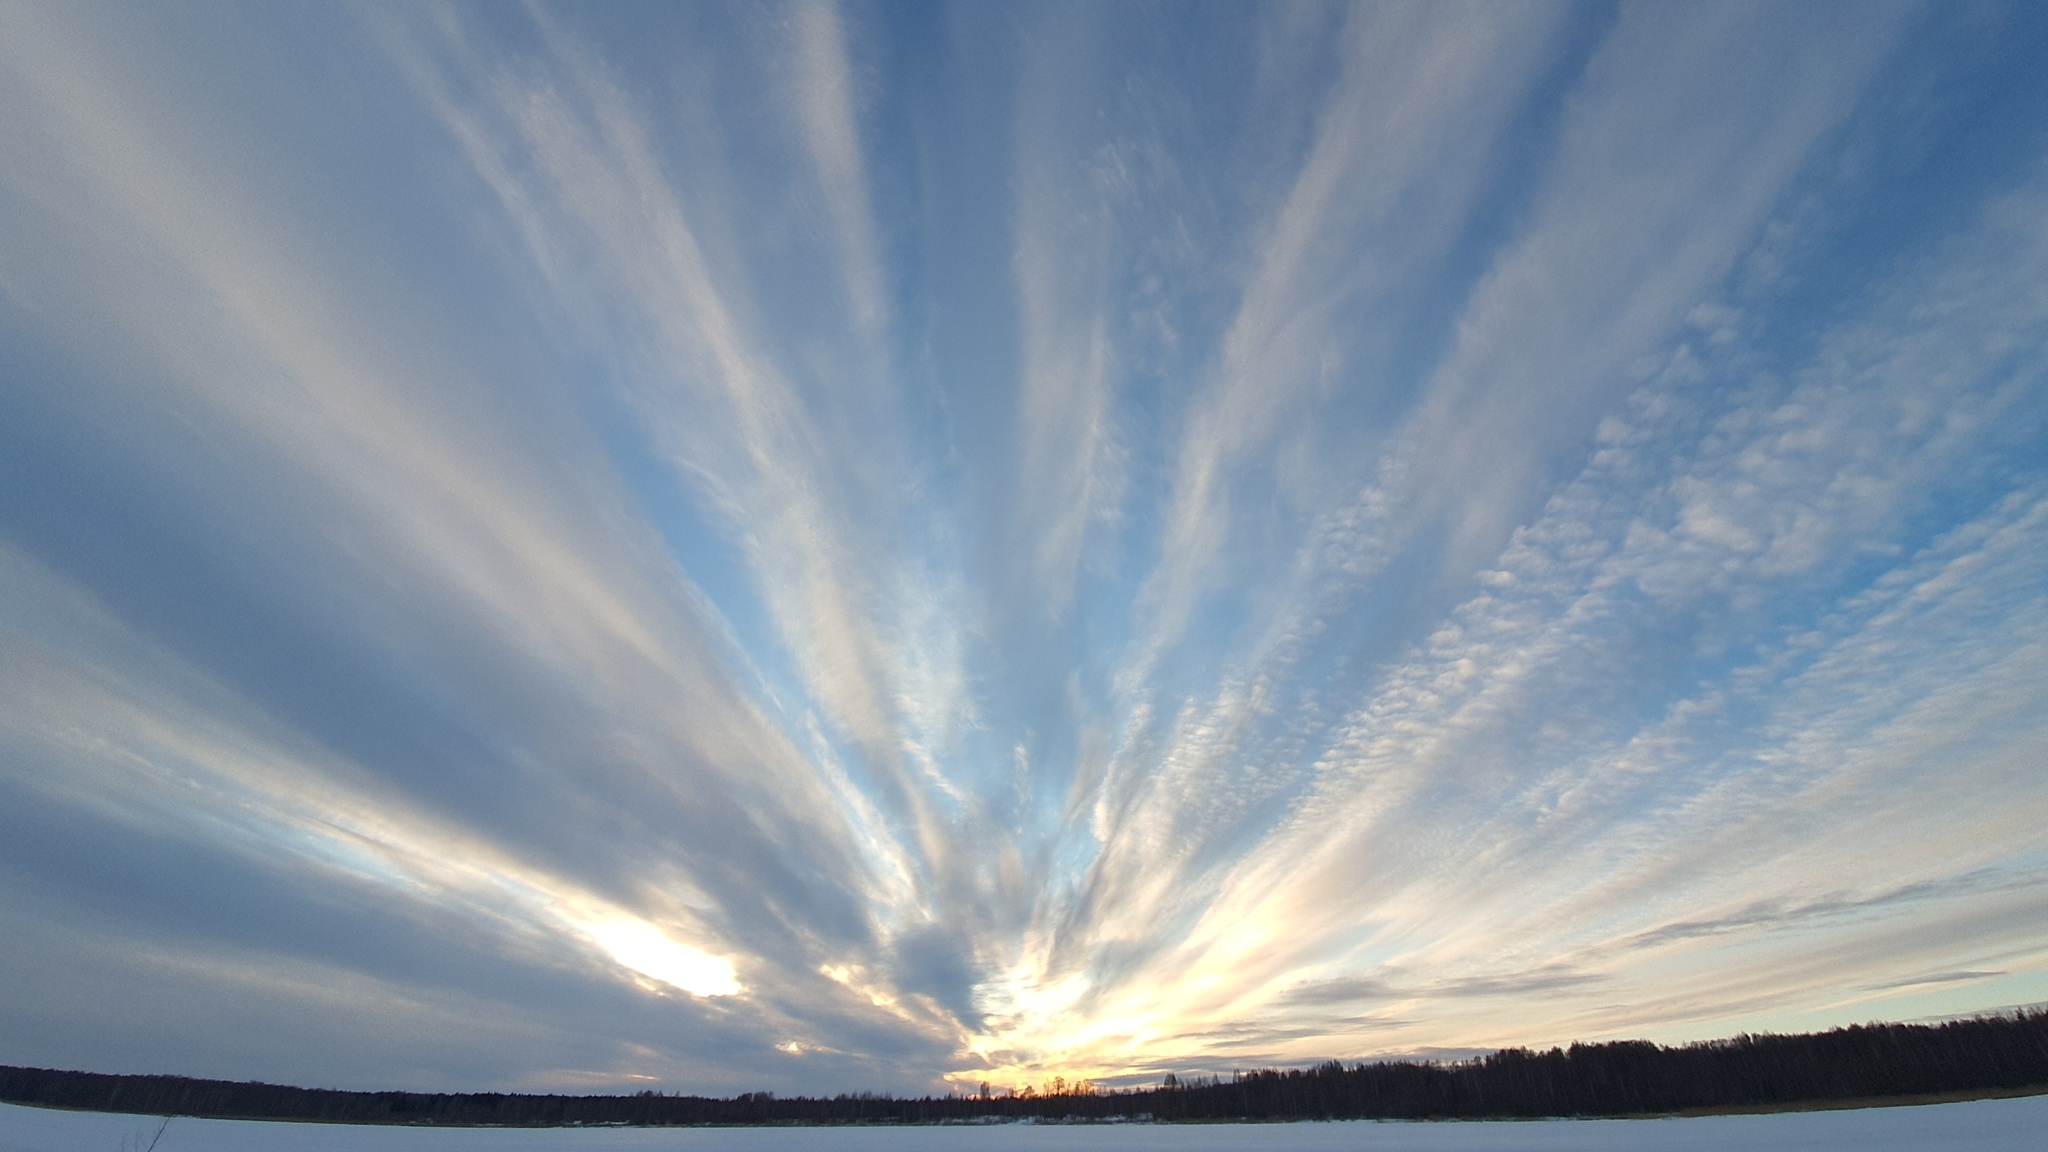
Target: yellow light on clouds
<point>642,947</point>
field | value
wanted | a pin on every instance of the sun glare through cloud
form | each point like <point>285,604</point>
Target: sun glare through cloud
<point>829,547</point>
<point>643,948</point>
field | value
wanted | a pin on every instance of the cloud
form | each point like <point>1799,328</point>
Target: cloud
<point>481,556</point>
<point>829,549</point>
<point>1347,990</point>
<point>1396,165</point>
<point>1936,978</point>
<point>572,161</point>
<point>826,106</point>
<point>1468,723</point>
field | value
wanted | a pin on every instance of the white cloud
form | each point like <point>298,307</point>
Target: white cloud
<point>1397,163</point>
<point>1489,808</point>
<point>1422,591</point>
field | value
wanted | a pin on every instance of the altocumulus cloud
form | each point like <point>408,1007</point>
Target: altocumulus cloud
<point>832,546</point>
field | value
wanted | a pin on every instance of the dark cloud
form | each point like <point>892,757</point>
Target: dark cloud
<point>1935,978</point>
<point>1514,984</point>
<point>1768,914</point>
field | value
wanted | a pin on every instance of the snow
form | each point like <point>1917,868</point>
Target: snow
<point>1983,1124</point>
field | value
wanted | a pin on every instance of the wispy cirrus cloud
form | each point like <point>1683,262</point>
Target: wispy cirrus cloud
<point>833,548</point>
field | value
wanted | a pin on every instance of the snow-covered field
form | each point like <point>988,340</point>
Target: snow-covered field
<point>1984,1125</point>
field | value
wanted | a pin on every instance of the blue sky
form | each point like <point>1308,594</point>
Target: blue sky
<point>875,547</point>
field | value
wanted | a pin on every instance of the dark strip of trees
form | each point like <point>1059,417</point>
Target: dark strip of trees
<point>1623,1078</point>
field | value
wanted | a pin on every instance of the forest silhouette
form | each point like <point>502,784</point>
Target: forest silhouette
<point>1864,1063</point>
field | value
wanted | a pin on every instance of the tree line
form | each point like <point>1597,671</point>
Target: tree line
<point>1872,1061</point>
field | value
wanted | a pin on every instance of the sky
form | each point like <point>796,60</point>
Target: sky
<point>814,548</point>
